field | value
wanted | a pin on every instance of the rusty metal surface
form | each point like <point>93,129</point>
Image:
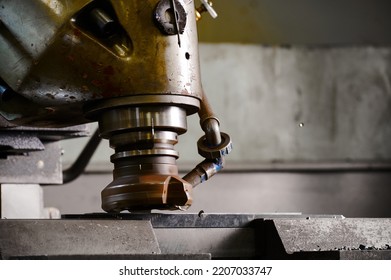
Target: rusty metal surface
<point>75,237</point>
<point>331,234</point>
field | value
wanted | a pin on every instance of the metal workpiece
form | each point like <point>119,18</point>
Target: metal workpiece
<point>325,238</point>
<point>38,238</point>
<point>333,234</point>
<point>184,236</point>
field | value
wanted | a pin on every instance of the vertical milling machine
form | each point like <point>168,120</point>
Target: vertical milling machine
<point>130,65</point>
<point>133,67</point>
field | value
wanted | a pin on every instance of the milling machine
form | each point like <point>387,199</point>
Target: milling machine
<point>130,65</point>
<point>133,67</point>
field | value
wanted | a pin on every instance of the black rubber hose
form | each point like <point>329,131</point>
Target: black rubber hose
<point>83,159</point>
